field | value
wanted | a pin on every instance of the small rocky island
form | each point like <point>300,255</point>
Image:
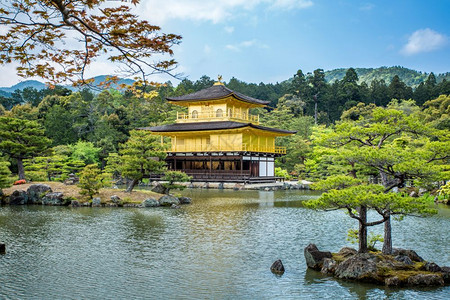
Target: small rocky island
<point>402,268</point>
<point>59,194</point>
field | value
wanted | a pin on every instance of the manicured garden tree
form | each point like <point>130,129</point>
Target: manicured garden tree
<point>400,148</point>
<point>351,194</point>
<point>52,166</point>
<point>4,175</point>
<point>90,180</point>
<point>173,179</point>
<point>141,155</point>
<point>21,139</point>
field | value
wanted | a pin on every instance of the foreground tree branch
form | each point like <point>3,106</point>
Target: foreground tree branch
<point>38,31</point>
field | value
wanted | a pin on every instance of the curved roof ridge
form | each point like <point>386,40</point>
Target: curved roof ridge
<point>216,92</point>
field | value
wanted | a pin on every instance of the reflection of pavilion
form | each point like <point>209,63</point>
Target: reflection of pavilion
<point>219,140</point>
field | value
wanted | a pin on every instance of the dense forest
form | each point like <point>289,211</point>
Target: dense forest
<point>87,126</point>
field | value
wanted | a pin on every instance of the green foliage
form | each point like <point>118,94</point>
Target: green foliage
<point>372,239</point>
<point>174,177</point>
<point>21,139</point>
<point>50,166</point>
<point>5,174</point>
<point>444,191</point>
<point>90,180</point>
<point>142,155</point>
<point>86,152</point>
<point>337,182</point>
<point>279,172</point>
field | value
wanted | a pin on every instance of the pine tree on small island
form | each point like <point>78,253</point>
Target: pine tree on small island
<point>173,178</point>
<point>396,144</point>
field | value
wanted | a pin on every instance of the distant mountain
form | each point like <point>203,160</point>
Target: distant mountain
<point>6,91</point>
<point>408,76</point>
<point>24,84</point>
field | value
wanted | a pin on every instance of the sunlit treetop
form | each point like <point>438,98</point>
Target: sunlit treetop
<point>58,39</point>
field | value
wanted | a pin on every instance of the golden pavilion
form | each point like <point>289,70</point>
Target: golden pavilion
<point>219,140</point>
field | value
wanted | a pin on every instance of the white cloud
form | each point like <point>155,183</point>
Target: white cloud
<point>229,29</point>
<point>246,44</point>
<point>424,40</point>
<point>215,11</point>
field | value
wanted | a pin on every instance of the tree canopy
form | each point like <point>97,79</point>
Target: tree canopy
<point>36,30</point>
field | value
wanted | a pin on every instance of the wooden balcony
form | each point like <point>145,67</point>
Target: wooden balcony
<point>213,116</point>
<point>228,148</point>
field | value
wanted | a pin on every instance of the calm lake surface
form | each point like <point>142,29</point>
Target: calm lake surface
<point>219,247</point>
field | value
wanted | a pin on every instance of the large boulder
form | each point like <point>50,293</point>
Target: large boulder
<point>410,253</point>
<point>314,258</point>
<point>56,198</point>
<point>36,192</point>
<point>168,200</point>
<point>432,267</point>
<point>115,199</point>
<point>361,266</point>
<point>18,197</point>
<point>426,280</point>
<point>159,188</point>
<point>150,202</point>
<point>446,274</point>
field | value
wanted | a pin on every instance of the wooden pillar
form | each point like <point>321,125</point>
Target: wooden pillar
<point>242,164</point>
<point>175,162</point>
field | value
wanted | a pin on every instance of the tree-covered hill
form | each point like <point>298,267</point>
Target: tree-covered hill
<point>410,77</point>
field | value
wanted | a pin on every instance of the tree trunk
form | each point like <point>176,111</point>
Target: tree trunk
<point>132,185</point>
<point>20,169</point>
<point>315,112</point>
<point>387,245</point>
<point>363,229</point>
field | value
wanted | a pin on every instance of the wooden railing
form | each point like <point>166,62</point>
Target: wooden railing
<point>213,116</point>
<point>225,148</point>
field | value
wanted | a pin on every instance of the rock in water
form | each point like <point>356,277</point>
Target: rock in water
<point>432,267</point>
<point>277,267</point>
<point>425,280</point>
<point>314,257</point>
<point>347,252</point>
<point>36,192</point>
<point>361,266</point>
<point>2,248</point>
<point>329,266</point>
<point>18,197</point>
<point>168,200</point>
<point>185,200</point>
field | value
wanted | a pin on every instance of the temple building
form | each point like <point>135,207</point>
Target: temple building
<point>219,140</point>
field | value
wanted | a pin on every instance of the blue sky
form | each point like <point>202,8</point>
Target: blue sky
<point>268,41</point>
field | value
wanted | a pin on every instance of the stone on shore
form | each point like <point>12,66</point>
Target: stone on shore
<point>277,267</point>
<point>159,188</point>
<point>36,192</point>
<point>18,197</point>
<point>314,257</point>
<point>150,202</point>
<point>168,200</point>
<point>115,199</point>
<point>426,280</point>
<point>96,202</point>
<point>56,198</point>
<point>329,266</point>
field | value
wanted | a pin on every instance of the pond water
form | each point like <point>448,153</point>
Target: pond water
<point>219,247</point>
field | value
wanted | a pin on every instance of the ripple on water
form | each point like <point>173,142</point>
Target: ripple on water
<point>221,246</point>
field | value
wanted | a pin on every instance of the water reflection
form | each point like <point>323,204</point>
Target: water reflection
<point>221,246</point>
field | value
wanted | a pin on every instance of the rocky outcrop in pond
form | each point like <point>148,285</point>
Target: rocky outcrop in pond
<point>403,268</point>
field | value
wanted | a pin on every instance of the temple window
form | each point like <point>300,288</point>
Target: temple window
<point>194,114</point>
<point>219,113</point>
